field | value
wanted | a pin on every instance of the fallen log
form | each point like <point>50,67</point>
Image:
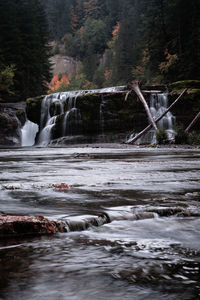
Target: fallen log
<point>12,226</point>
<point>134,86</point>
<point>131,141</point>
<point>193,122</point>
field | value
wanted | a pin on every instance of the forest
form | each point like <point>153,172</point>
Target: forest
<point>155,41</point>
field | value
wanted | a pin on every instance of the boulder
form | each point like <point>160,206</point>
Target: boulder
<point>9,133</point>
<point>13,226</point>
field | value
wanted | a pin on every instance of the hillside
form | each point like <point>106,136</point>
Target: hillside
<point>117,41</point>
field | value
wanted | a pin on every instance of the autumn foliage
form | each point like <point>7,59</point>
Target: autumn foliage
<point>57,82</point>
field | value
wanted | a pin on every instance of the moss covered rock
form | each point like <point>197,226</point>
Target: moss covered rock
<point>21,115</point>
<point>33,109</point>
<point>186,109</point>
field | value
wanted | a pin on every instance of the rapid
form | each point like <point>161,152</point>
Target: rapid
<point>143,242</point>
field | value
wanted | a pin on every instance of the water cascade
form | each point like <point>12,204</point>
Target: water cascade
<point>65,103</point>
<point>158,104</point>
<point>52,105</point>
<point>28,133</point>
<point>72,113</point>
<point>102,120</point>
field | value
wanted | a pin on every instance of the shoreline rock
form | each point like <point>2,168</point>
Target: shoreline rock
<point>14,226</point>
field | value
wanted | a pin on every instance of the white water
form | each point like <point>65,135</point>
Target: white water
<point>28,133</point>
<point>71,110</point>
<point>60,101</point>
<point>158,105</point>
<point>102,121</point>
<point>139,255</point>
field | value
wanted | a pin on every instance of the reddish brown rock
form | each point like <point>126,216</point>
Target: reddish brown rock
<point>61,187</point>
<point>22,225</point>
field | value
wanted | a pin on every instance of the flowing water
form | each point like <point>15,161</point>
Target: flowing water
<point>132,217</point>
<point>158,105</point>
<point>28,133</point>
<point>64,103</point>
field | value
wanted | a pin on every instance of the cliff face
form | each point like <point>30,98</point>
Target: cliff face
<point>62,64</point>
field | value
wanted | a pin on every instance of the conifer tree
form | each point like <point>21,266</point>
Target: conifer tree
<point>24,44</point>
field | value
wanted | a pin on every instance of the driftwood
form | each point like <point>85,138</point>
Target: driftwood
<point>193,122</point>
<point>134,86</point>
<point>131,141</point>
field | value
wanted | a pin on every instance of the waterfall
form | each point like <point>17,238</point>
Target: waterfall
<point>64,103</point>
<point>158,105</point>
<point>102,120</point>
<point>28,133</point>
<point>72,112</point>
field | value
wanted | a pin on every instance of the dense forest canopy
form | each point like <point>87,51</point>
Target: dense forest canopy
<point>152,40</point>
<point>24,51</point>
<point>156,41</point>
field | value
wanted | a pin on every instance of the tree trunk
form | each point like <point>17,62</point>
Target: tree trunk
<point>157,120</point>
<point>134,86</point>
<point>193,122</point>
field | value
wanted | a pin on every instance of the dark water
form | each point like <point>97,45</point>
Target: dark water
<point>150,249</point>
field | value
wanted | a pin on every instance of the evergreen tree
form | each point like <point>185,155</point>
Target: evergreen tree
<point>24,44</point>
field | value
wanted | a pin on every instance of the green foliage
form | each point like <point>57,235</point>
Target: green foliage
<point>185,84</point>
<point>181,136</point>
<point>80,82</point>
<point>7,79</point>
<point>194,138</point>
<point>58,17</point>
<point>154,41</point>
<point>33,109</point>
<point>23,43</point>
<point>161,136</point>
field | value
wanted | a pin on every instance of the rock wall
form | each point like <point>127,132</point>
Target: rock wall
<point>62,64</point>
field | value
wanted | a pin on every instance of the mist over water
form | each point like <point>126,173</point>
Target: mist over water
<point>147,248</point>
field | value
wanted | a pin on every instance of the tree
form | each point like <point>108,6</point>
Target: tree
<point>24,44</point>
<point>6,80</point>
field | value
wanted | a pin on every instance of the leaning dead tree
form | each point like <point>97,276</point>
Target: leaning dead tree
<point>193,122</point>
<point>134,139</point>
<point>134,86</point>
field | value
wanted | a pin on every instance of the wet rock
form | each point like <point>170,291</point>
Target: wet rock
<point>166,211</point>
<point>21,115</point>
<point>22,225</point>
<point>33,109</point>
<point>9,134</point>
<point>61,187</point>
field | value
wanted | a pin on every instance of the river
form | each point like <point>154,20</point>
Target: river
<point>149,249</point>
